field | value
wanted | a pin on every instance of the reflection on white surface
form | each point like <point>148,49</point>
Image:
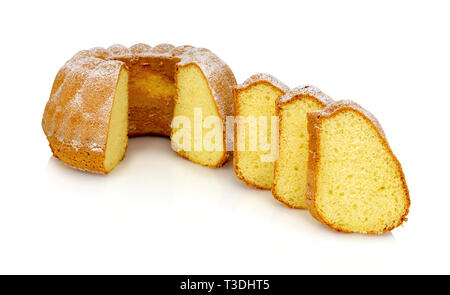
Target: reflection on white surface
<point>166,211</point>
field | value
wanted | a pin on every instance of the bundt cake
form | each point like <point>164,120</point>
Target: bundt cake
<point>84,119</point>
<point>289,183</point>
<point>256,132</point>
<point>354,181</point>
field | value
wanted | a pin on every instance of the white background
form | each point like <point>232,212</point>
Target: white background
<point>157,213</point>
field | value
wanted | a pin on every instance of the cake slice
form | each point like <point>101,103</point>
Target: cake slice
<point>204,86</point>
<point>289,184</point>
<point>256,129</point>
<point>354,183</point>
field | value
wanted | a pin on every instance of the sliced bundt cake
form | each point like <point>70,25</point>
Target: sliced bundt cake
<point>101,95</point>
<point>289,184</point>
<point>256,132</point>
<point>355,183</point>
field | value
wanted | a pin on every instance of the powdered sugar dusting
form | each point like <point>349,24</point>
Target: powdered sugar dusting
<point>140,48</point>
<point>209,63</point>
<point>306,90</point>
<point>214,69</point>
<point>75,144</point>
<point>70,123</point>
<point>162,50</point>
<point>264,77</point>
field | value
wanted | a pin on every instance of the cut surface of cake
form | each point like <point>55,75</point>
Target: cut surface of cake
<point>152,95</point>
<point>117,140</point>
<point>84,117</point>
<point>289,184</point>
<point>202,107</point>
<point>355,183</point>
<point>256,132</point>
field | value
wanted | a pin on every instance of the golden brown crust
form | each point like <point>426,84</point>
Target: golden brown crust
<point>304,91</point>
<point>314,125</point>
<point>293,95</point>
<point>265,78</point>
<point>256,79</point>
<point>162,58</point>
<point>77,129</point>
